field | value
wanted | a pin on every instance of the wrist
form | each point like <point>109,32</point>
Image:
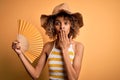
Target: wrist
<point>20,54</point>
<point>64,50</point>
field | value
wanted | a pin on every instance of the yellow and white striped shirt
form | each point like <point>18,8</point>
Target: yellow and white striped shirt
<point>56,63</point>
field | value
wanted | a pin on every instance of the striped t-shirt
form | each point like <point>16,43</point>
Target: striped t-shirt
<point>56,63</point>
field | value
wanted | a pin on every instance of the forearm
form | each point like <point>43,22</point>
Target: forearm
<point>71,73</point>
<point>28,66</point>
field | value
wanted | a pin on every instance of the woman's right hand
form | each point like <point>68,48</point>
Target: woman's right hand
<point>16,47</point>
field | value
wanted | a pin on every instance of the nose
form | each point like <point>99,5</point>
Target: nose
<point>62,27</point>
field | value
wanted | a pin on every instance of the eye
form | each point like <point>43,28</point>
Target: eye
<point>57,23</point>
<point>66,22</point>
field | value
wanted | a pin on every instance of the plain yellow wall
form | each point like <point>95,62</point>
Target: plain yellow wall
<point>100,36</point>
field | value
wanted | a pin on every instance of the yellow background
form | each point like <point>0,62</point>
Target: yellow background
<point>100,36</point>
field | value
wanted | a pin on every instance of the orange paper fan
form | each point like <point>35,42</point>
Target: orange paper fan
<point>30,40</point>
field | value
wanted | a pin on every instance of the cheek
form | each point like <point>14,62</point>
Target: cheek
<point>57,29</point>
<point>67,29</point>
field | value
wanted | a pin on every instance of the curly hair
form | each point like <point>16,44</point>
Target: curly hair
<point>75,19</point>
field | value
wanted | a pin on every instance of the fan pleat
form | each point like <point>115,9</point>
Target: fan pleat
<point>29,57</point>
<point>34,40</point>
<point>22,23</point>
<point>33,54</point>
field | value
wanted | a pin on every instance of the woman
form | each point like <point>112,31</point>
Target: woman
<point>64,55</point>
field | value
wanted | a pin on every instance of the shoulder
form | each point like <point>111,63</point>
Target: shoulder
<point>48,44</point>
<point>79,47</point>
<point>78,44</point>
<point>48,47</point>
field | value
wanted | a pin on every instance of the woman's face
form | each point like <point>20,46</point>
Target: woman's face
<point>62,23</point>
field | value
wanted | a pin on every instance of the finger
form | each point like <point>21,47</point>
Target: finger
<point>66,36</point>
<point>18,46</point>
<point>17,41</point>
<point>63,34</point>
<point>12,46</point>
<point>61,38</point>
<point>15,45</point>
<point>70,39</point>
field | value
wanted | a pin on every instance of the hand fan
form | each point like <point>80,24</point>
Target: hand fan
<point>30,40</point>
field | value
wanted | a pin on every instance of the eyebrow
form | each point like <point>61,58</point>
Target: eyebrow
<point>66,18</point>
<point>56,20</point>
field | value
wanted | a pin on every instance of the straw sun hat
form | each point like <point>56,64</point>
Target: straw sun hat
<point>59,8</point>
<point>46,19</point>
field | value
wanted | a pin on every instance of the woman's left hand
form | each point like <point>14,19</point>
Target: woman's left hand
<point>64,41</point>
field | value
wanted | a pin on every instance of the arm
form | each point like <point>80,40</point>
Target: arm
<point>73,70</point>
<point>34,72</point>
